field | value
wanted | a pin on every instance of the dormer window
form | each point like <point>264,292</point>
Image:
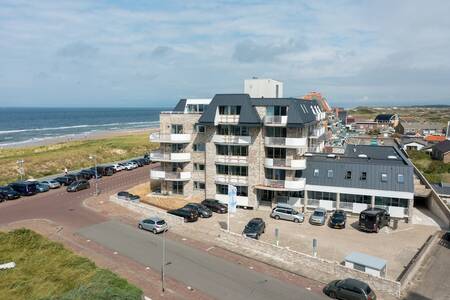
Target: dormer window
<point>330,174</point>
<point>229,110</point>
<point>363,176</point>
<point>316,172</point>
<point>384,177</point>
<point>348,175</point>
<point>400,178</point>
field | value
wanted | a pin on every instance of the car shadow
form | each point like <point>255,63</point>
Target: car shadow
<point>223,225</point>
<point>355,225</point>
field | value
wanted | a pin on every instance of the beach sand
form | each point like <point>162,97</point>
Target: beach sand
<point>82,137</point>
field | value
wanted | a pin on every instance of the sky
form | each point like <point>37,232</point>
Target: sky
<point>152,53</point>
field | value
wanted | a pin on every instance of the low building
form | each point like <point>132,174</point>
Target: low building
<point>441,151</point>
<point>413,144</point>
<point>365,263</point>
<point>423,128</point>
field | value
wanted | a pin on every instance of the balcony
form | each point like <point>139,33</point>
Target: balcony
<point>295,184</point>
<point>156,137</point>
<point>170,157</point>
<point>285,163</point>
<point>321,116</point>
<point>317,133</point>
<point>232,159</point>
<point>170,176</point>
<point>275,120</point>
<point>232,139</point>
<point>285,142</point>
<point>228,119</point>
<point>231,179</point>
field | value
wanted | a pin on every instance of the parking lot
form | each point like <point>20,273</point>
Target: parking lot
<point>397,247</point>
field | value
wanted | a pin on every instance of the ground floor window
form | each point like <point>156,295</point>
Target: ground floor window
<point>356,198</point>
<point>313,195</point>
<point>199,185</point>
<point>177,187</point>
<point>387,201</point>
<point>223,190</point>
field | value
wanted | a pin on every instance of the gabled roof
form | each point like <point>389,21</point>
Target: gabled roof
<point>180,105</point>
<point>375,152</point>
<point>248,115</point>
<point>442,188</point>
<point>434,138</point>
<point>443,147</point>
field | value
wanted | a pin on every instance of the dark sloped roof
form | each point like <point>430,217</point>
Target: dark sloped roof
<point>443,146</point>
<point>375,152</point>
<point>248,115</point>
<point>299,110</point>
<point>180,105</point>
<point>442,188</point>
<point>383,117</point>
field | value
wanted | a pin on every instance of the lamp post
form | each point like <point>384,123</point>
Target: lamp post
<point>94,157</point>
<point>164,264</point>
<point>20,169</point>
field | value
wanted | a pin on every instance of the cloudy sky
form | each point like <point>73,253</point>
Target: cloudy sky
<point>151,53</point>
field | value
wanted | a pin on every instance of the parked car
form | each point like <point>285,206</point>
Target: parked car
<point>53,184</point>
<point>146,160</point>
<point>78,186</point>
<point>338,219</point>
<point>127,196</point>
<point>41,187</point>
<point>215,206</point>
<point>75,176</point>
<point>202,211</point>
<point>254,228</point>
<point>138,162</point>
<point>91,172</point>
<point>373,219</point>
<point>64,180</point>
<point>117,167</point>
<point>130,166</point>
<point>105,170</point>
<point>349,289</point>
<point>286,212</point>
<point>83,175</point>
<point>188,214</point>
<point>7,193</point>
<point>24,188</point>
<point>153,224</point>
<point>2,197</point>
<point>318,217</point>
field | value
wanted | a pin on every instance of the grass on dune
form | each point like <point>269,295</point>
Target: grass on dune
<point>52,159</point>
<point>434,170</point>
<point>46,270</point>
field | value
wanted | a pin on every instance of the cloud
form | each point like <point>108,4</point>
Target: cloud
<point>77,50</point>
<point>161,51</point>
<point>248,51</point>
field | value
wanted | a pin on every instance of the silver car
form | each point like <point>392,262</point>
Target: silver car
<point>153,224</point>
<point>287,212</point>
<point>318,217</point>
<point>53,184</point>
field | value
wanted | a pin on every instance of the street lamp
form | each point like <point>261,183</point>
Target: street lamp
<point>94,157</point>
<point>164,264</point>
<point>21,169</point>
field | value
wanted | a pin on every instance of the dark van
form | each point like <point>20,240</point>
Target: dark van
<point>373,219</point>
<point>24,188</point>
<point>105,170</point>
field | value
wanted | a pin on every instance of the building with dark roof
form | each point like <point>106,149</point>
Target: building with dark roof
<point>441,151</point>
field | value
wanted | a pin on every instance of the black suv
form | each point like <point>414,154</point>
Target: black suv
<point>24,188</point>
<point>254,228</point>
<point>78,186</point>
<point>215,206</point>
<point>338,219</point>
<point>201,210</point>
<point>188,214</point>
<point>349,289</point>
<point>373,219</point>
<point>64,180</point>
<point>7,193</point>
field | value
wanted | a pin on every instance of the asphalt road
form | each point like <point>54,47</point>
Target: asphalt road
<point>210,274</point>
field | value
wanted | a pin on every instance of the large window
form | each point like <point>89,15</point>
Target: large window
<point>198,185</point>
<point>176,129</point>
<point>276,132</point>
<point>232,150</point>
<point>199,147</point>
<point>321,196</point>
<point>386,201</point>
<point>177,187</point>
<point>196,108</point>
<point>355,198</point>
<point>229,110</point>
<point>199,128</point>
<point>240,190</point>
<point>275,174</point>
<point>277,110</point>
<point>232,130</point>
<point>276,152</point>
<point>232,170</point>
<point>199,167</point>
<point>177,148</point>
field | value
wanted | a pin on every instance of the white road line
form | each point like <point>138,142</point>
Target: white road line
<point>210,248</point>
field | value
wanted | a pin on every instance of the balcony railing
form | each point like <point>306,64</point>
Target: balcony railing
<point>228,119</point>
<point>171,176</point>
<point>232,139</point>
<point>232,179</point>
<point>295,184</point>
<point>318,132</point>
<point>174,157</point>
<point>275,120</point>
<point>321,116</point>
<point>286,163</point>
<point>285,142</point>
<point>170,138</point>
<point>232,159</point>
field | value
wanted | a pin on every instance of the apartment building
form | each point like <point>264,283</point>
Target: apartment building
<point>258,145</point>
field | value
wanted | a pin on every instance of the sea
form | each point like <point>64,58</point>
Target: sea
<point>21,126</point>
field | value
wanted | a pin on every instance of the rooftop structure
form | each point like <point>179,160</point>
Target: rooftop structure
<point>263,88</point>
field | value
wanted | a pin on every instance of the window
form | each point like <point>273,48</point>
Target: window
<point>363,176</point>
<point>330,174</point>
<point>348,175</point>
<point>276,153</point>
<point>275,174</point>
<point>232,150</point>
<point>199,167</point>
<point>316,172</point>
<point>177,148</point>
<point>240,190</point>
<point>384,177</point>
<point>199,185</point>
<point>177,129</point>
<point>229,110</point>
<point>313,195</point>
<point>231,170</point>
<point>276,132</point>
<point>199,128</point>
<point>386,201</point>
<point>400,178</point>
<point>199,147</point>
<point>232,130</point>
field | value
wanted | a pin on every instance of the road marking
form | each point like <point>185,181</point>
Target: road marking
<point>115,253</point>
<point>210,248</point>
